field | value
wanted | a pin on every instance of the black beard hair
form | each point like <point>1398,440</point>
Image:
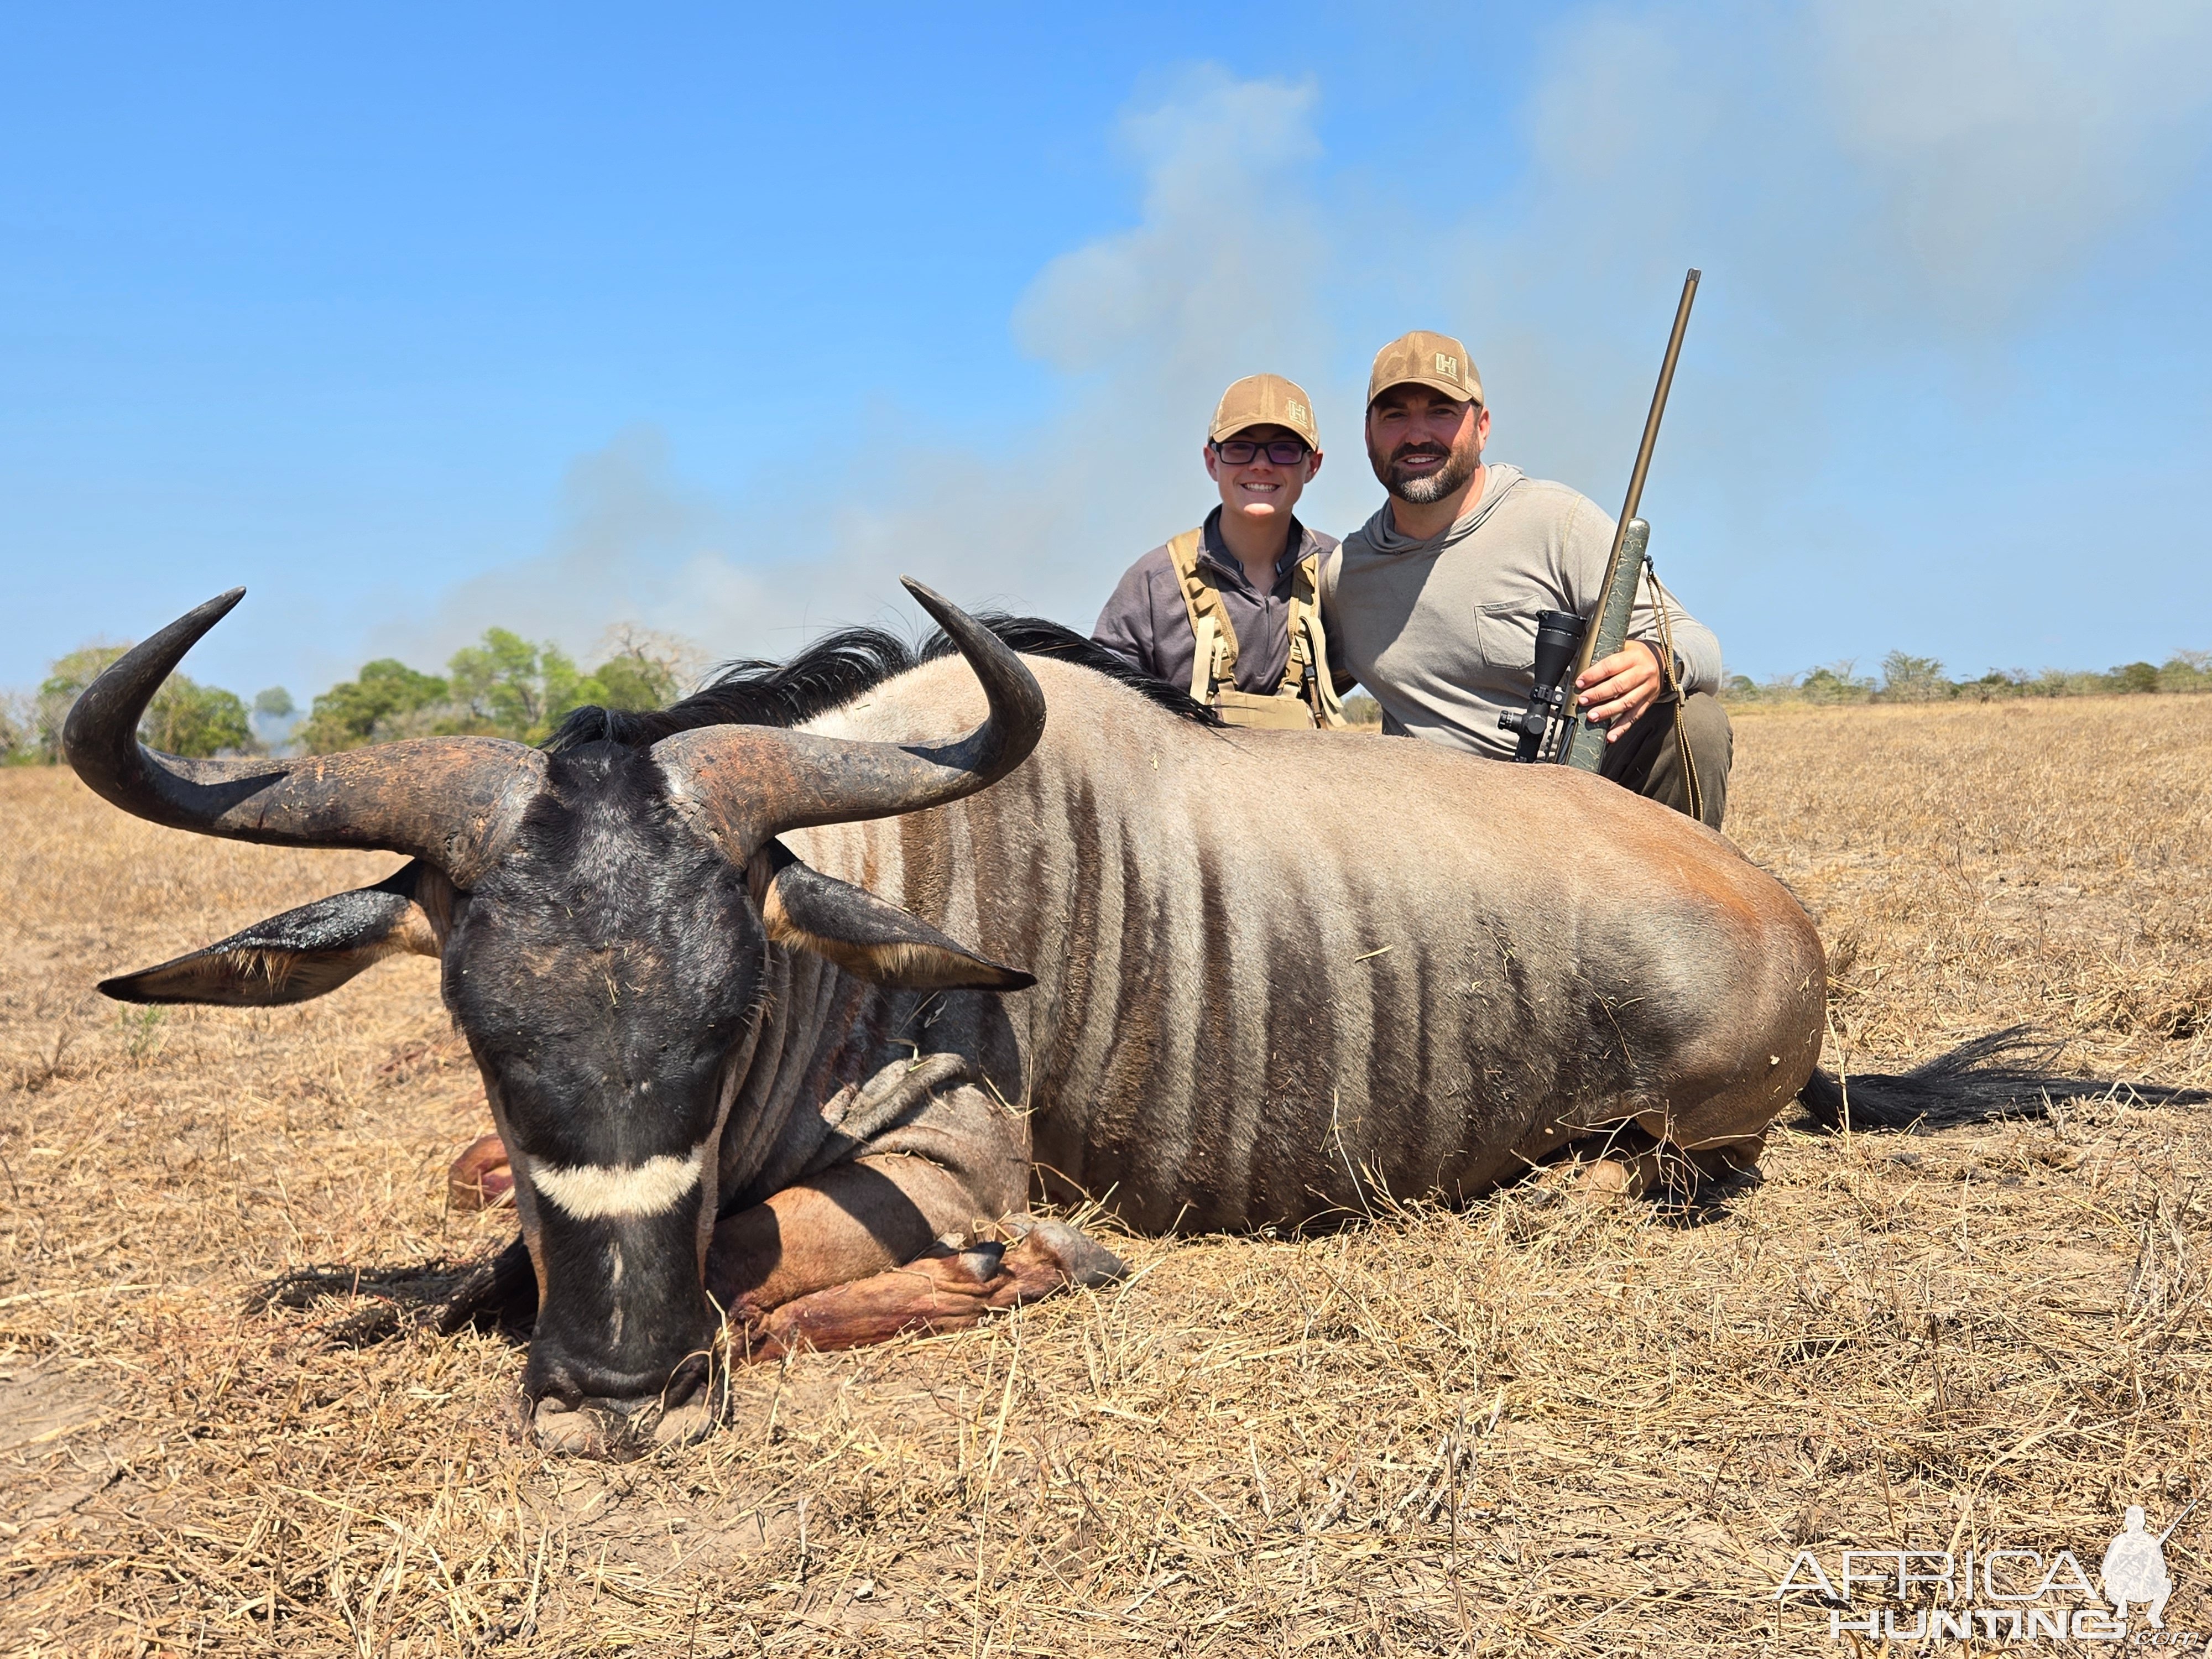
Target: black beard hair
<point>1459,466</point>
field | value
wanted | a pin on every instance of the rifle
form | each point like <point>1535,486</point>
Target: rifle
<point>2178,1520</point>
<point>1582,744</point>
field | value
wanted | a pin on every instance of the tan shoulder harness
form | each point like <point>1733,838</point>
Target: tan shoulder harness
<point>1306,697</point>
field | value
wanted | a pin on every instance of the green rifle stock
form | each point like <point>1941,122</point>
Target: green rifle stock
<point>1584,749</point>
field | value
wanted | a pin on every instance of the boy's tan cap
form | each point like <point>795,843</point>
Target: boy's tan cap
<point>1436,360</point>
<point>1265,400</point>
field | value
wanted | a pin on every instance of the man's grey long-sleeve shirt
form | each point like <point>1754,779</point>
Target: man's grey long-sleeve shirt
<point>1442,632</point>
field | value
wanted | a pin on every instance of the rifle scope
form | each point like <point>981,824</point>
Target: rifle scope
<point>1558,634</point>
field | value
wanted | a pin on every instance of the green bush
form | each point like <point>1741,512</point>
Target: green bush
<point>1913,679</point>
<point>1837,684</point>
<point>66,680</point>
<point>19,730</point>
<point>503,686</point>
<point>2186,671</point>
<point>360,710</point>
<point>509,688</point>
<point>185,717</point>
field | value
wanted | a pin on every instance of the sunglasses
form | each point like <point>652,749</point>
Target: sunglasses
<point>1243,452</point>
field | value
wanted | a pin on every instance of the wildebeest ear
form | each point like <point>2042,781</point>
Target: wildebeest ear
<point>298,955</point>
<point>869,938</point>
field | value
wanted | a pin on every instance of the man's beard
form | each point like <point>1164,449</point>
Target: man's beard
<point>1422,489</point>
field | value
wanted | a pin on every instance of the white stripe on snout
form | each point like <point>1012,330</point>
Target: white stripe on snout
<point>590,1192</point>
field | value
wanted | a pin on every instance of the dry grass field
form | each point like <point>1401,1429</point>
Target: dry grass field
<point>1552,1423</point>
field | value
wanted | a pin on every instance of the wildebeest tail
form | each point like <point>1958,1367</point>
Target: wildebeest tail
<point>2006,1072</point>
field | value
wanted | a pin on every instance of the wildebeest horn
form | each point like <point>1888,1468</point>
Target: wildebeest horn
<point>449,800</point>
<point>754,782</point>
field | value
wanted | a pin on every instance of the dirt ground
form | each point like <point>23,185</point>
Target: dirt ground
<point>1551,1423</point>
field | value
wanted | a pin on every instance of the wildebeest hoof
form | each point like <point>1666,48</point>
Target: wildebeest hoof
<point>1082,1260</point>
<point>480,1177</point>
<point>981,1259</point>
<point>685,1424</point>
<point>1611,1177</point>
<point>580,1431</point>
<point>596,1431</point>
<point>620,1432</point>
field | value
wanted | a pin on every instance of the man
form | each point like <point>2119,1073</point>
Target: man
<point>2134,1570</point>
<point>1433,601</point>
<point>1231,609</point>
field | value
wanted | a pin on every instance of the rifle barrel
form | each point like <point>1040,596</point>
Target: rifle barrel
<point>1658,406</point>
<point>2178,1520</point>
<point>1585,748</point>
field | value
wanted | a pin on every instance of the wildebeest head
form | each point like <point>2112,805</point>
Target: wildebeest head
<point>602,915</point>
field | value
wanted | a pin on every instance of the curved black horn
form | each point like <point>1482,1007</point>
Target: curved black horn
<point>449,800</point>
<point>754,782</point>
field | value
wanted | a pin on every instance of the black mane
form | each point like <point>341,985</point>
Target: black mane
<point>836,669</point>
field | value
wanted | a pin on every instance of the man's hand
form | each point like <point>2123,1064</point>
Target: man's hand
<point>1615,689</point>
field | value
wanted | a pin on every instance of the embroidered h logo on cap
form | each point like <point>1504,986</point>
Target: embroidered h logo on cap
<point>1436,360</point>
<point>1265,400</point>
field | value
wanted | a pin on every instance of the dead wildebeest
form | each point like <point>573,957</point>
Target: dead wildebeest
<point>736,976</point>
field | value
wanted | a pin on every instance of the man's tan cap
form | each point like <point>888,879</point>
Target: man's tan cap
<point>1436,360</point>
<point>1265,400</point>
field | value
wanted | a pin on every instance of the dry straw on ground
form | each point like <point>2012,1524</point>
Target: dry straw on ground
<point>1549,1424</point>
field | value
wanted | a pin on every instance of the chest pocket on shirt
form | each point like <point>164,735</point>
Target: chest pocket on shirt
<point>1506,635</point>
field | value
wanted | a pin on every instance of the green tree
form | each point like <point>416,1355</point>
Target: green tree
<point>186,718</point>
<point>1836,683</point>
<point>1907,678</point>
<point>626,684</point>
<point>365,709</point>
<point>273,710</point>
<point>2136,676</point>
<point>2186,671</point>
<point>19,730</point>
<point>643,669</point>
<point>66,680</point>
<point>512,688</point>
<point>509,686</point>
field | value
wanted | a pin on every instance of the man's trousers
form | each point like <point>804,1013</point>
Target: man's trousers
<point>1648,758</point>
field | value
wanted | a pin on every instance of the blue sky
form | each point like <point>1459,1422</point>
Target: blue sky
<point>717,320</point>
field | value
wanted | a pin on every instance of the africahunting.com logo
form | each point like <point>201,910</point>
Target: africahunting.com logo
<point>2000,1595</point>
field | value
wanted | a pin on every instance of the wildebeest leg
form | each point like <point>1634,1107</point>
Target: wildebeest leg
<point>851,1256</point>
<point>847,1222</point>
<point>946,1289</point>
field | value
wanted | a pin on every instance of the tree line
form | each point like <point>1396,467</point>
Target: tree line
<point>507,686</point>
<point>185,717</point>
<point>1907,678</point>
<point>502,686</point>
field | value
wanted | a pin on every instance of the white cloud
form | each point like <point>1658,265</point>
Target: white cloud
<point>1218,270</point>
<point>1888,197</point>
<point>1876,188</point>
<point>1146,325</point>
<point>2004,143</point>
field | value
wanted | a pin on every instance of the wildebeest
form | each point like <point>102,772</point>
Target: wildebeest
<point>764,1011</point>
